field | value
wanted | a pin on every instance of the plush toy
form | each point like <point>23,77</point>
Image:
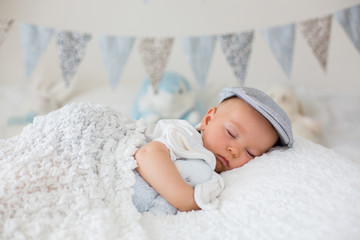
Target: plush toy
<point>303,125</point>
<point>193,171</point>
<point>174,99</point>
<point>50,94</point>
<point>195,165</point>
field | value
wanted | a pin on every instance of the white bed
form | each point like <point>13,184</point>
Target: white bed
<point>306,192</point>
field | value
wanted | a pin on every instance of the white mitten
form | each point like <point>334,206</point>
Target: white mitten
<point>206,193</point>
<point>194,171</point>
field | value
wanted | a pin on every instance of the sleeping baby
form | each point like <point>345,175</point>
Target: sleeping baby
<point>245,124</point>
<point>195,164</point>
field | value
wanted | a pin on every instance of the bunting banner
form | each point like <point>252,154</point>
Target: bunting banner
<point>199,52</point>
<point>349,19</point>
<point>237,49</point>
<point>115,51</point>
<point>34,41</point>
<point>281,42</point>
<point>72,46</point>
<point>317,34</point>
<point>155,54</point>
<point>5,25</point>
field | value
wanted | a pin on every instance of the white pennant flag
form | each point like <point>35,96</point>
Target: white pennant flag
<point>34,41</point>
<point>199,52</point>
<point>115,51</point>
<point>72,46</point>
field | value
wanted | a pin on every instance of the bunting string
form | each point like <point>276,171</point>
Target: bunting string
<point>199,50</point>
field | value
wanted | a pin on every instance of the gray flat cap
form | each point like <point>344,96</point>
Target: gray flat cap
<point>267,107</point>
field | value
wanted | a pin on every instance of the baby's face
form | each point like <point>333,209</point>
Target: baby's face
<point>236,133</point>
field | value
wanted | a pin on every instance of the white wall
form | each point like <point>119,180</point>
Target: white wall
<point>174,18</point>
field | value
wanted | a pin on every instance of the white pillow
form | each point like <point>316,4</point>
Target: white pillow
<point>306,192</point>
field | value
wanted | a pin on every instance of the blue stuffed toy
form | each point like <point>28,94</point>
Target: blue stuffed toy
<point>174,99</point>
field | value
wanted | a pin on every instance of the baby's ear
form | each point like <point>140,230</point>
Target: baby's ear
<point>207,118</point>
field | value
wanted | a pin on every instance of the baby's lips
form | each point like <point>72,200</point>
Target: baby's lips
<point>224,161</point>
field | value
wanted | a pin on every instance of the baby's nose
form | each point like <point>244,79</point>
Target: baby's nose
<point>233,151</point>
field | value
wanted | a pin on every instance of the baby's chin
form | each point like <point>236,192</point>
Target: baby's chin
<point>219,166</point>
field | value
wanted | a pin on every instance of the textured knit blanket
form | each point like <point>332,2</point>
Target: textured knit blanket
<point>69,176</point>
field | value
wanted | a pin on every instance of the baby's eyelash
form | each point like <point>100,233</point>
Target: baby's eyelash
<point>231,135</point>
<point>251,155</point>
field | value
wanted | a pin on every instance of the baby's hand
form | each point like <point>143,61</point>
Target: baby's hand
<point>194,171</point>
<point>206,194</point>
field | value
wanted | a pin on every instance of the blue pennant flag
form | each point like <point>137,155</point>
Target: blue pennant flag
<point>237,49</point>
<point>34,41</point>
<point>72,46</point>
<point>349,19</point>
<point>281,42</point>
<point>199,51</point>
<point>115,52</point>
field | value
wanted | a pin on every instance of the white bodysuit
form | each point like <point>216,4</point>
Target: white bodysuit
<point>195,163</point>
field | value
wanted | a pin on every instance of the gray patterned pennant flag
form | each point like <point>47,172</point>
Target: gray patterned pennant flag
<point>199,52</point>
<point>349,19</point>
<point>281,42</point>
<point>237,49</point>
<point>155,54</point>
<point>34,41</point>
<point>5,25</point>
<point>115,51</point>
<point>317,33</point>
<point>72,46</point>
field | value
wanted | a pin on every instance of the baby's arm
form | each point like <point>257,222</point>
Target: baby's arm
<point>157,169</point>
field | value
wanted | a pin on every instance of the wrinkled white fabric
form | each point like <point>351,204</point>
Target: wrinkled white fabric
<point>69,176</point>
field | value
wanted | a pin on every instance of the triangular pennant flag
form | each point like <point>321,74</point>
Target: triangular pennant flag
<point>115,52</point>
<point>34,41</point>
<point>237,49</point>
<point>281,42</point>
<point>199,51</point>
<point>349,19</point>
<point>155,54</point>
<point>5,24</point>
<point>317,33</point>
<point>72,47</point>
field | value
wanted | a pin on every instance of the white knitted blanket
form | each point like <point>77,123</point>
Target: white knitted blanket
<point>69,176</point>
